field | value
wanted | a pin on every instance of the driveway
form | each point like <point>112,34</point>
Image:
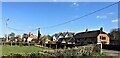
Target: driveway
<point>112,52</point>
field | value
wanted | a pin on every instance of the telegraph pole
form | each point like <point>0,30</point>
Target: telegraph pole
<point>7,30</point>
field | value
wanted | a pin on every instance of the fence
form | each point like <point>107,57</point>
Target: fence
<point>112,47</point>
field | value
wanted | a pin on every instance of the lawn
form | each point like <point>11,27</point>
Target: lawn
<point>6,50</point>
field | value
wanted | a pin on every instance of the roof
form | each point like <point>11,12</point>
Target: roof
<point>66,39</point>
<point>89,34</point>
<point>63,34</point>
<point>32,36</point>
<point>45,37</point>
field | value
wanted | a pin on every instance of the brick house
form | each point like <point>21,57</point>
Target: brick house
<point>92,37</point>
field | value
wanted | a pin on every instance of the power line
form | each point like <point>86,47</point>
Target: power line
<point>79,17</point>
<point>22,30</point>
<point>34,29</point>
<point>69,20</point>
<point>15,29</point>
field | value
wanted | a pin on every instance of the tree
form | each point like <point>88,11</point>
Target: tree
<point>114,36</point>
<point>12,37</point>
<point>12,34</point>
<point>24,36</point>
<point>115,33</point>
<point>39,33</point>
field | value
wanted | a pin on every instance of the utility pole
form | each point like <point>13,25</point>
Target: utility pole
<point>7,30</point>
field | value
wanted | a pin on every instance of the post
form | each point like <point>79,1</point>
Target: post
<point>7,30</point>
<point>101,47</point>
<point>56,46</point>
<point>101,44</point>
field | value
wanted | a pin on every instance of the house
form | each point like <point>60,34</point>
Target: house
<point>31,37</point>
<point>92,37</point>
<point>2,41</point>
<point>66,38</point>
<point>63,39</point>
<point>55,37</point>
<point>28,37</point>
<point>18,38</point>
<point>24,37</point>
<point>45,40</point>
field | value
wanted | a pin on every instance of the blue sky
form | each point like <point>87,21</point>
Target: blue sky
<point>27,16</point>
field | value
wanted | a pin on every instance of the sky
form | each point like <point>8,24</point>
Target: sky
<point>60,0</point>
<point>25,17</point>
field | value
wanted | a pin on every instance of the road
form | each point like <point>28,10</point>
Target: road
<point>111,52</point>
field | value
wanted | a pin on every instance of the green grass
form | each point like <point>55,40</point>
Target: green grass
<point>7,50</point>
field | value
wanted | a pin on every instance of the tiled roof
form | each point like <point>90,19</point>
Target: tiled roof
<point>63,34</point>
<point>66,39</point>
<point>62,37</point>
<point>89,34</point>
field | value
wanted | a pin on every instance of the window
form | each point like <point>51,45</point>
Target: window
<point>63,41</point>
<point>54,38</point>
<point>61,36</point>
<point>66,35</point>
<point>102,38</point>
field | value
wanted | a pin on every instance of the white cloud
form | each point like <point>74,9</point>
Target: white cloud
<point>111,13</point>
<point>115,20</point>
<point>101,17</point>
<point>75,4</point>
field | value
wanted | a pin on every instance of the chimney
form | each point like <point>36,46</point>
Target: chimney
<point>86,30</point>
<point>101,29</point>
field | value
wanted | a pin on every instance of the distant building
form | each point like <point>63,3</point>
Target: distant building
<point>92,37</point>
<point>55,37</point>
<point>31,37</point>
<point>64,38</point>
<point>2,40</point>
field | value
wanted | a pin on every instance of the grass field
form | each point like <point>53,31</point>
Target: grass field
<point>6,50</point>
<point>27,50</point>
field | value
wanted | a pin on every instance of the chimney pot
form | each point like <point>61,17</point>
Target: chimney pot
<point>101,29</point>
<point>87,30</point>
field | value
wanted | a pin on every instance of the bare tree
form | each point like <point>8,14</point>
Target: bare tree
<point>114,36</point>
